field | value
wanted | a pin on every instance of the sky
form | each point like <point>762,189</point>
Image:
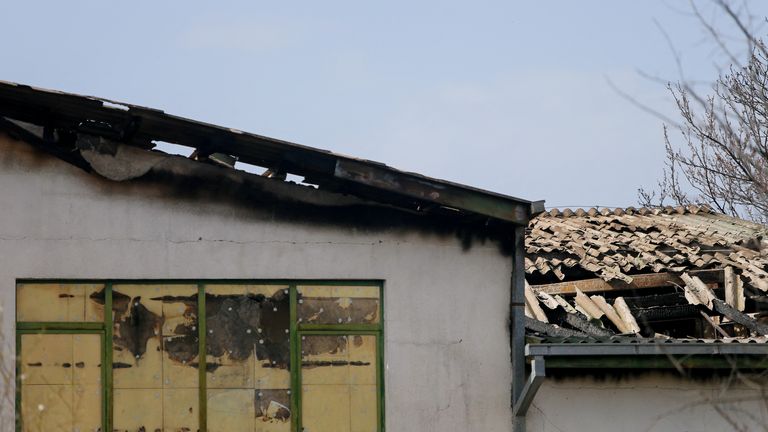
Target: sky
<point>510,96</point>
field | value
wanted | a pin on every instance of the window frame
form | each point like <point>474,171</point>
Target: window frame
<point>296,330</point>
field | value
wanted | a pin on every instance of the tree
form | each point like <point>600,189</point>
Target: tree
<point>723,158</point>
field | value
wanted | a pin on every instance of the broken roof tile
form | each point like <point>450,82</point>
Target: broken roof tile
<point>614,243</point>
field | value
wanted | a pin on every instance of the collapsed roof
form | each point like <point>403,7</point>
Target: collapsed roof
<point>619,275</point>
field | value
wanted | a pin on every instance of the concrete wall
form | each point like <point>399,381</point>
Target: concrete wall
<point>650,402</point>
<point>446,308</point>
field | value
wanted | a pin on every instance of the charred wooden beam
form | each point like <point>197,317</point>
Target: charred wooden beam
<point>551,330</point>
<point>656,300</point>
<point>641,281</point>
<point>587,327</point>
<point>740,318</point>
<point>665,313</point>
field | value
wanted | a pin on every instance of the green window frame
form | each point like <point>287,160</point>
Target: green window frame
<point>297,330</point>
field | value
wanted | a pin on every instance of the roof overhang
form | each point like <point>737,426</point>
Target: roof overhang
<point>142,127</point>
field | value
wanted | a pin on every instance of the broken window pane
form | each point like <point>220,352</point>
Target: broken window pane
<point>60,382</point>
<point>155,357</point>
<point>338,383</point>
<point>248,357</point>
<point>53,302</point>
<point>325,304</point>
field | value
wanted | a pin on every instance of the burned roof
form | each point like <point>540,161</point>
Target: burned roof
<point>625,276</point>
<point>615,244</point>
<point>65,114</point>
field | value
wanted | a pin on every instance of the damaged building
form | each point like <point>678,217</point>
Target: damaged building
<point>246,284</point>
<point>645,319</point>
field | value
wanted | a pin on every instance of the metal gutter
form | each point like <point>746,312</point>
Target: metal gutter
<point>647,348</point>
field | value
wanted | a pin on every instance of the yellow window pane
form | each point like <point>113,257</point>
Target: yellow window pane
<point>180,335</point>
<point>128,371</point>
<point>87,359</point>
<point>230,410</point>
<point>137,356</point>
<point>362,359</point>
<point>363,408</point>
<point>325,304</point>
<point>247,335</point>
<point>179,374</point>
<point>225,372</point>
<point>325,408</point>
<point>46,359</point>
<point>273,412</point>
<point>180,410</point>
<point>46,408</point>
<point>94,302</point>
<point>179,308</point>
<point>138,410</point>
<point>338,383</point>
<point>86,407</point>
<point>51,363</point>
<point>324,360</point>
<point>270,376</point>
<point>56,302</point>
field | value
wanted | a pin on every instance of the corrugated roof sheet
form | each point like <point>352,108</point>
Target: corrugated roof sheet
<point>613,244</point>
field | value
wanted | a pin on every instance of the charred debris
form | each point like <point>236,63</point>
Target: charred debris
<point>632,275</point>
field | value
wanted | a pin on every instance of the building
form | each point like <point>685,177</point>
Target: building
<point>158,292</point>
<point>251,284</point>
<point>646,319</point>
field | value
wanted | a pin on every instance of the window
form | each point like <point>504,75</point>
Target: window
<point>165,368</point>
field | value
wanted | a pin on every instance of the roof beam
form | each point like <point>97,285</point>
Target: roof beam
<point>641,281</point>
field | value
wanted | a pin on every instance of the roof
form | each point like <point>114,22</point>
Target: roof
<point>673,276</point>
<point>614,244</point>
<point>142,127</point>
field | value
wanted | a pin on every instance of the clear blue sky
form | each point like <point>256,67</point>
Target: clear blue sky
<point>505,95</point>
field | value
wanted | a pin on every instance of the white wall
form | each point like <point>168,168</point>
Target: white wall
<point>446,309</point>
<point>653,402</point>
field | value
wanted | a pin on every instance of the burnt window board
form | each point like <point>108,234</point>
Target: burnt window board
<point>256,356</point>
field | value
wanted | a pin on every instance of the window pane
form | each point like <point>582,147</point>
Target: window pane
<point>338,383</point>
<point>52,302</point>
<point>61,382</point>
<point>248,357</point>
<point>325,304</point>
<point>155,357</point>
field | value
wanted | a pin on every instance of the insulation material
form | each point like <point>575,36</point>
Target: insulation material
<point>248,355</point>
<point>46,359</point>
<point>324,304</point>
<point>231,410</point>
<point>338,383</point>
<point>180,409</point>
<point>46,408</point>
<point>155,356</point>
<point>86,359</point>
<point>326,408</point>
<point>138,409</point>
<point>86,407</point>
<point>60,382</point>
<point>51,302</point>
